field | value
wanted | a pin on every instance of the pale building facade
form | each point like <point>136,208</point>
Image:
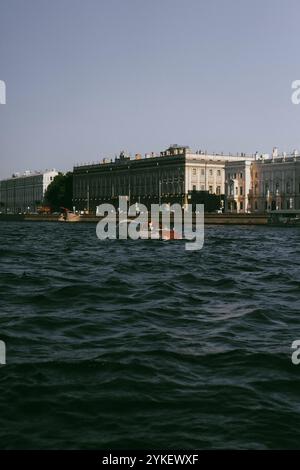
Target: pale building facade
<point>238,186</point>
<point>276,184</point>
<point>263,185</point>
<point>24,193</point>
<point>164,178</point>
<point>204,175</point>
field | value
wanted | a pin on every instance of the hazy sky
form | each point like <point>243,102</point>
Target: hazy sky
<point>87,78</point>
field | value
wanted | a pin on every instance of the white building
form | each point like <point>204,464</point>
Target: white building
<point>169,177</point>
<point>238,186</point>
<point>275,184</point>
<point>24,193</point>
<point>267,183</point>
<point>205,171</point>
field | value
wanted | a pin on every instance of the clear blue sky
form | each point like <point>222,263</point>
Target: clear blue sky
<point>87,78</point>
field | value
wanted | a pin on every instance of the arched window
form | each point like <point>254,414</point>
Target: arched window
<point>267,188</point>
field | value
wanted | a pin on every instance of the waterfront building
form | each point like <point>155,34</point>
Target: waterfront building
<point>165,178</point>
<point>238,186</point>
<point>267,183</point>
<point>275,184</point>
<point>25,192</point>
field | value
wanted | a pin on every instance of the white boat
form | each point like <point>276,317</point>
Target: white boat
<point>151,231</point>
<point>68,216</point>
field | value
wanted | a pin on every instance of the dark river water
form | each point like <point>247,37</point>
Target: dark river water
<point>141,344</point>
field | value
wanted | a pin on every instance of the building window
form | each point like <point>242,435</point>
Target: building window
<point>194,187</point>
<point>241,175</point>
<point>210,189</point>
<point>202,171</point>
<point>241,190</point>
<point>210,172</point>
<point>194,171</point>
<point>266,189</point>
<point>241,206</point>
<point>218,190</point>
<point>202,187</point>
<point>236,191</point>
<point>219,173</point>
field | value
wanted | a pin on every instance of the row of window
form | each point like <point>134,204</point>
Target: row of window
<point>25,186</point>
<point>210,189</point>
<point>236,191</point>
<point>21,195</point>
<point>139,180</point>
<point>268,188</point>
<point>234,176</point>
<point>210,171</point>
<point>114,189</point>
<point>234,206</point>
<point>289,204</point>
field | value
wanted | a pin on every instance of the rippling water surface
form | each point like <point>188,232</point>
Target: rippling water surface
<point>141,344</point>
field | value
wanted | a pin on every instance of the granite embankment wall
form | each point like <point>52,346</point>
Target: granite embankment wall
<point>210,219</point>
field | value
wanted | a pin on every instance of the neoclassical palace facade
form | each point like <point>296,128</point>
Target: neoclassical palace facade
<point>263,184</point>
<point>165,178</point>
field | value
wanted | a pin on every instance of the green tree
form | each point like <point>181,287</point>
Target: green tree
<point>60,192</point>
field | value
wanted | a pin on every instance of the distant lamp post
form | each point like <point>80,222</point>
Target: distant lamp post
<point>159,192</point>
<point>88,192</point>
<point>129,186</point>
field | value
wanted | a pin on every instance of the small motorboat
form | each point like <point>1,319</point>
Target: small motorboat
<point>167,234</point>
<point>154,231</point>
<point>68,216</point>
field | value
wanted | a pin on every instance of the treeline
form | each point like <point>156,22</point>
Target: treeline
<point>60,192</point>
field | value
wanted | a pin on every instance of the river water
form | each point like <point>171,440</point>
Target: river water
<point>141,344</point>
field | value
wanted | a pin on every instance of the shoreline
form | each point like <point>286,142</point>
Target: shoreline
<point>209,219</point>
